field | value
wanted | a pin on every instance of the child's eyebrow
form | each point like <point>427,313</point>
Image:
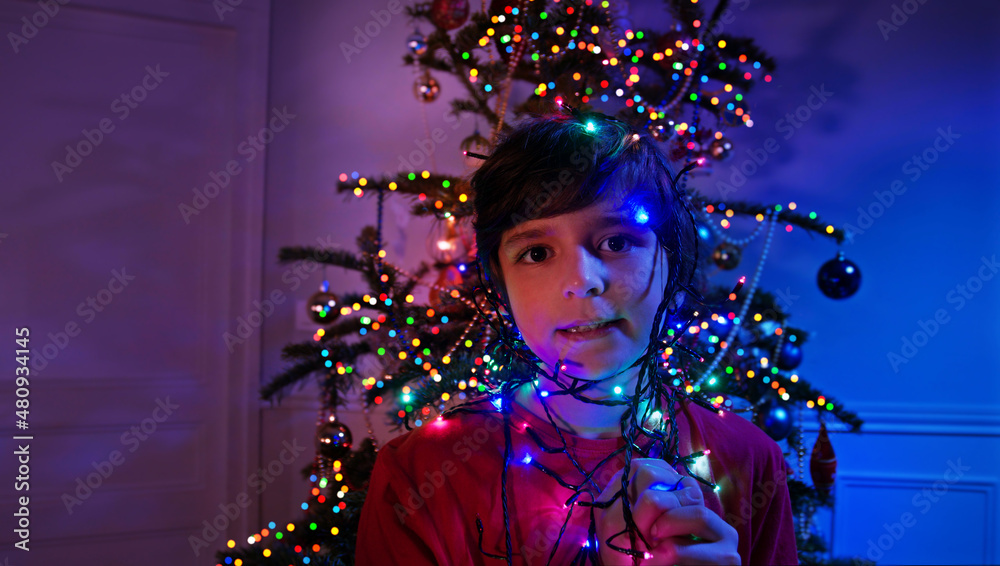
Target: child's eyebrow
<point>608,221</point>
<point>515,240</point>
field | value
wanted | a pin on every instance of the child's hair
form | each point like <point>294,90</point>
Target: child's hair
<point>556,164</point>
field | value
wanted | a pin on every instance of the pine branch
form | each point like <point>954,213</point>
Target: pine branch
<point>279,386</point>
<point>294,376</point>
<point>339,258</point>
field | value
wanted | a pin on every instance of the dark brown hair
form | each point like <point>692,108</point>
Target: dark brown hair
<point>555,164</point>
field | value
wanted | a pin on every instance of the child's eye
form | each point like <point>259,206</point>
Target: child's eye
<point>536,254</point>
<point>617,243</point>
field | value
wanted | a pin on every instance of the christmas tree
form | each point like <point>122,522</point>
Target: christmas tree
<point>685,86</point>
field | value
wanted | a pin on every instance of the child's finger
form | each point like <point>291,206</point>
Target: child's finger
<point>611,487</point>
<point>661,503</point>
<point>667,500</point>
<point>658,487</point>
<point>681,550</point>
<point>647,472</point>
<point>697,520</point>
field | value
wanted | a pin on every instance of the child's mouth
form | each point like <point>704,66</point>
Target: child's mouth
<point>589,331</point>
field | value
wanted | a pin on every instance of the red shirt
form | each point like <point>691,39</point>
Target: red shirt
<point>429,485</point>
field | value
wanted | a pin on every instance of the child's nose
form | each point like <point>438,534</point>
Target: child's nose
<point>584,276</point>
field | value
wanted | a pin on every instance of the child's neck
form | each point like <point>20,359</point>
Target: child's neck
<point>586,420</point>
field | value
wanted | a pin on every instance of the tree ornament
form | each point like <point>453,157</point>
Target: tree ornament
<point>720,149</point>
<point>323,306</point>
<point>726,255</point>
<point>790,356</point>
<point>475,143</point>
<point>449,14</point>
<point>426,88</point>
<point>417,43</point>
<point>839,278</point>
<point>774,419</point>
<point>333,439</point>
<point>823,463</point>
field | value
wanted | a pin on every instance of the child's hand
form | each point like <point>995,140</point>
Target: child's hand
<point>676,524</point>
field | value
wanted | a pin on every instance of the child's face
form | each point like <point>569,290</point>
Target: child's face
<point>596,265</point>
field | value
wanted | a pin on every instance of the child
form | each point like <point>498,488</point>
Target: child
<point>587,247</point>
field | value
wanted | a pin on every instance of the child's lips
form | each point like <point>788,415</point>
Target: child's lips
<point>589,331</point>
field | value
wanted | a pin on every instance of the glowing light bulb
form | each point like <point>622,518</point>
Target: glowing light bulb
<point>641,216</point>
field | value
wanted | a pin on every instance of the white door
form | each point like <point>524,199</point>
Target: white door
<point>130,242</point>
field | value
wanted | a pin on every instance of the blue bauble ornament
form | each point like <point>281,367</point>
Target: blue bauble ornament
<point>417,43</point>
<point>333,440</point>
<point>323,307</point>
<point>791,356</point>
<point>774,419</point>
<point>726,255</point>
<point>839,278</point>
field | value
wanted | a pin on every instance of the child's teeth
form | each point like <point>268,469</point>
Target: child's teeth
<point>586,328</point>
